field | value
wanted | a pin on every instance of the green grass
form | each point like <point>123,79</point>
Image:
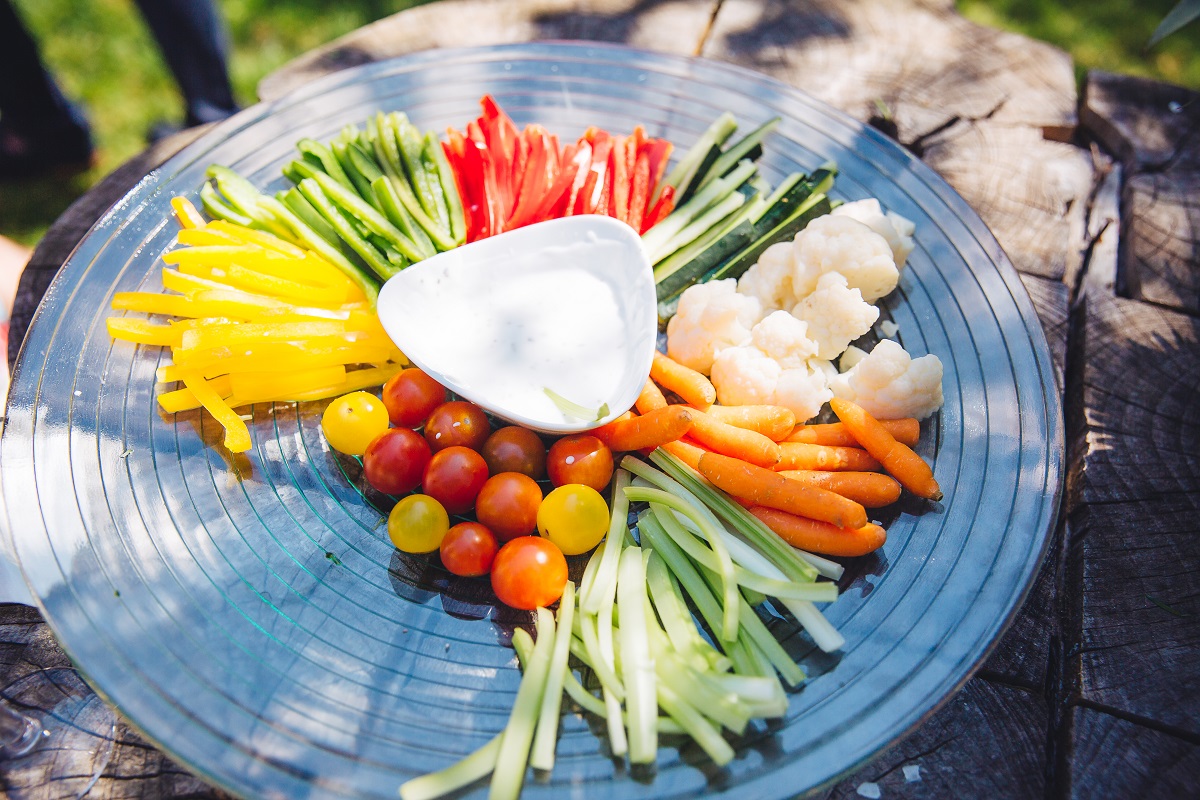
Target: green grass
<point>103,55</point>
<point>1108,35</point>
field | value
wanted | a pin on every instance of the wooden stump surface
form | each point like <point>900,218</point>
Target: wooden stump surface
<point>1095,690</point>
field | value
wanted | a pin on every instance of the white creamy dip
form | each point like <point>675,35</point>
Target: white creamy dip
<point>564,307</point>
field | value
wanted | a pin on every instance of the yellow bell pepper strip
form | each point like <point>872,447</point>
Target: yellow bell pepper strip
<point>179,306</point>
<point>183,399</point>
<point>238,335</point>
<point>262,283</point>
<point>186,213</point>
<point>356,380</point>
<point>205,236</point>
<point>289,357</point>
<point>265,386</point>
<point>260,238</point>
<point>140,331</point>
<point>237,435</point>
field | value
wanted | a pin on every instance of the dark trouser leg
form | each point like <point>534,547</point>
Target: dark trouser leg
<point>192,40</point>
<point>29,98</point>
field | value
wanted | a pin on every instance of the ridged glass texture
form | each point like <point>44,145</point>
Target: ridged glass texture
<point>248,612</point>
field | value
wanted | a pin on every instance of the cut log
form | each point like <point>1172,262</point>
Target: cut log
<point>1160,246</point>
<point>1115,758</point>
<point>1135,527</point>
<point>1145,123</point>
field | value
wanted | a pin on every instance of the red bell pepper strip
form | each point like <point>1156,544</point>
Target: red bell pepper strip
<point>618,206</point>
<point>574,158</point>
<point>582,204</point>
<point>660,153</point>
<point>595,201</point>
<point>639,191</point>
<point>664,206</point>
<point>583,158</point>
<point>534,181</point>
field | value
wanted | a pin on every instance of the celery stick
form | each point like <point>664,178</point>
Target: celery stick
<point>782,554</point>
<point>637,668</point>
<point>679,565</point>
<point>680,628</point>
<point>672,522</point>
<point>456,776</point>
<point>576,691</point>
<point>513,756</point>
<point>729,592</point>
<point>699,728</point>
<point>546,734</point>
<point>590,634</point>
<point>606,573</point>
<point>588,579</point>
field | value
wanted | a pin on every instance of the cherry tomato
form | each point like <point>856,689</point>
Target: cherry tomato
<point>417,524</point>
<point>454,477</point>
<point>411,396</point>
<point>468,549</point>
<point>351,421</point>
<point>574,517</point>
<point>457,423</point>
<point>508,504</point>
<point>515,449</point>
<point>580,458</point>
<point>395,461</point>
<point>529,572</point>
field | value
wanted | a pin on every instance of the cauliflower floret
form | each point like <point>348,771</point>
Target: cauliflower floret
<point>784,338</point>
<point>841,244</point>
<point>770,278</point>
<point>852,356</point>
<point>890,384</point>
<point>804,389</point>
<point>891,226</point>
<point>711,316</point>
<point>836,315</point>
<point>745,376</point>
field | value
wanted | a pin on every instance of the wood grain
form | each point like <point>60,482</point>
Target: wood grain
<point>1135,551</point>
<point>955,750</point>
<point>1147,124</point>
<point>1160,243</point>
<point>1118,759</point>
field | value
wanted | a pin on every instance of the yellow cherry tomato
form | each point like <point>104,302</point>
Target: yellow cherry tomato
<point>351,421</point>
<point>417,524</point>
<point>574,517</point>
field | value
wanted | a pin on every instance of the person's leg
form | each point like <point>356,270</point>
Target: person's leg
<point>39,128</point>
<point>192,39</point>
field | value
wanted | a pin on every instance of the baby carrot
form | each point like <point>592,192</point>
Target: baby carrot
<point>798,455</point>
<point>650,398</point>
<point>766,488</point>
<point>695,389</point>
<point>685,451</point>
<point>872,489</point>
<point>774,422</point>
<point>732,441</point>
<point>821,537</point>
<point>648,431</point>
<point>835,434</point>
<point>897,458</point>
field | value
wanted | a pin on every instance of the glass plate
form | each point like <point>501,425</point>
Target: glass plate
<point>248,612</point>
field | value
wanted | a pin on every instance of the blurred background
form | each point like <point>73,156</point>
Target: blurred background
<point>104,58</point>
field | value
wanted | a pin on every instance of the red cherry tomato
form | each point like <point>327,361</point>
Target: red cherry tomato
<point>395,461</point>
<point>529,572</point>
<point>468,549</point>
<point>410,396</point>
<point>515,449</point>
<point>508,504</point>
<point>457,424</point>
<point>454,477</point>
<point>580,458</point>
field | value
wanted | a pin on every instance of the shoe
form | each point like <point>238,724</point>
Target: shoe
<point>32,152</point>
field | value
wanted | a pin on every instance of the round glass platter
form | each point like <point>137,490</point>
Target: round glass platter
<point>249,614</point>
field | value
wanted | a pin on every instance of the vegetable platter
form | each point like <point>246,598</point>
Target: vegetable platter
<point>247,611</point>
